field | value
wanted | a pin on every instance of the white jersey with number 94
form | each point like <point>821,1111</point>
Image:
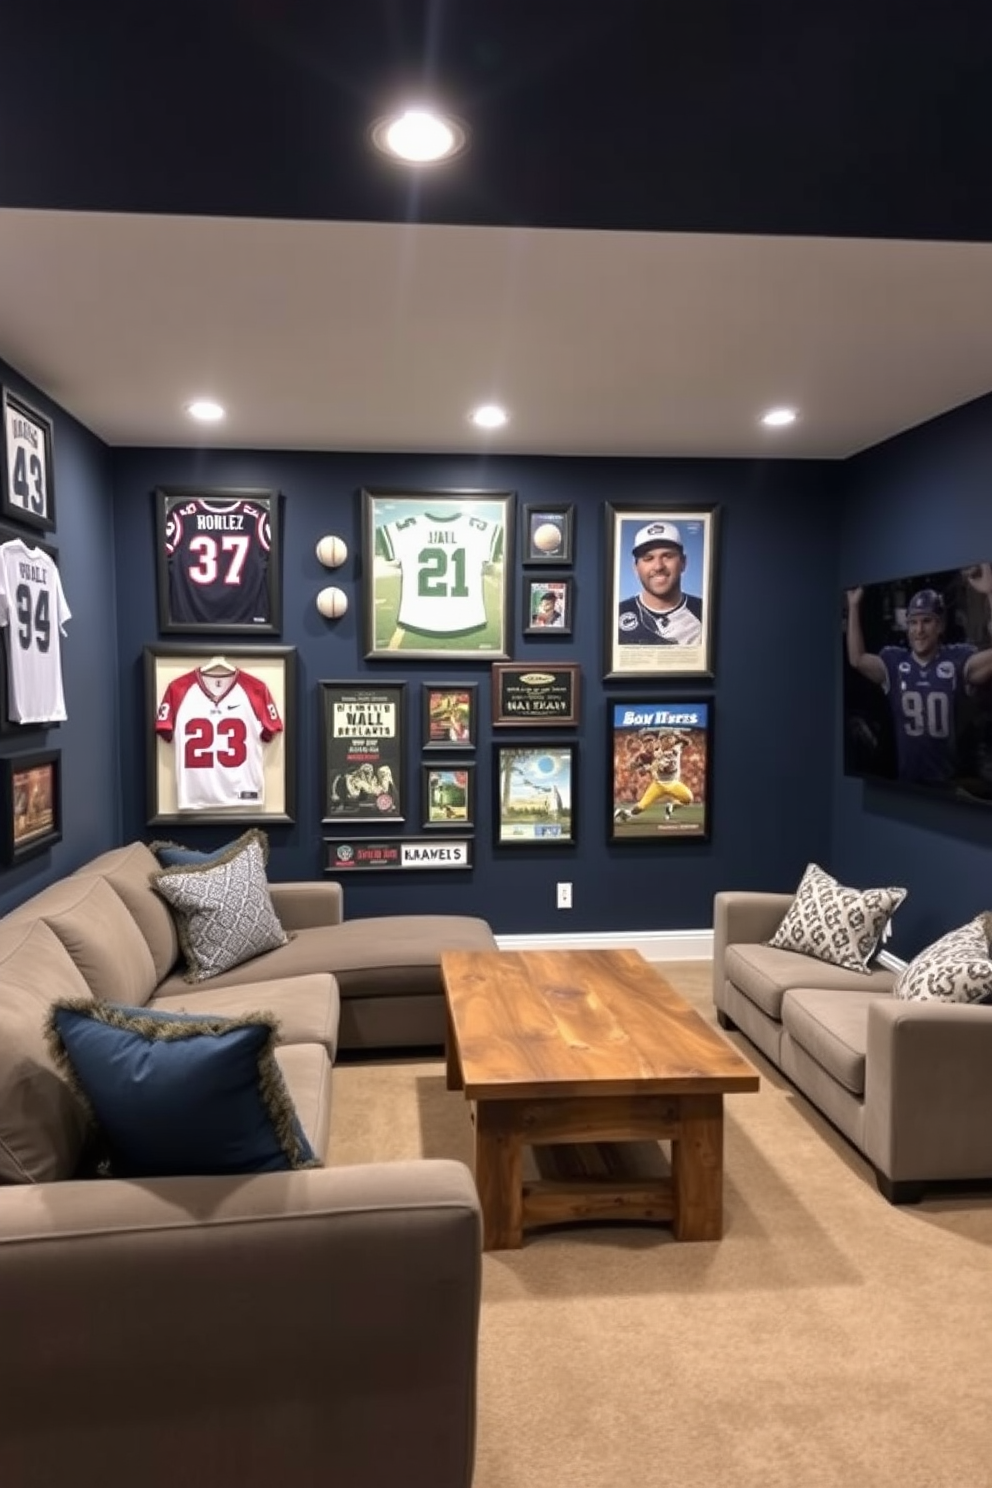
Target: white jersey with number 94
<point>442,569</point>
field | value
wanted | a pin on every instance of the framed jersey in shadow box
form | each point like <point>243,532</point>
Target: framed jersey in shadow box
<point>27,473</point>
<point>33,614</point>
<point>218,560</point>
<point>221,730</point>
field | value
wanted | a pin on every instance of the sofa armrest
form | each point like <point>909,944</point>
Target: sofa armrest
<point>303,906</point>
<point>743,917</point>
<point>318,1326</point>
<point>928,1096</point>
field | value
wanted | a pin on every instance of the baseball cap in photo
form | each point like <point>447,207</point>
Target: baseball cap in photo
<point>925,602</point>
<point>657,535</point>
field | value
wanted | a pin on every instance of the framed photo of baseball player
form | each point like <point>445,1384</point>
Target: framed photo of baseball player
<point>435,581</point>
<point>27,475</point>
<point>218,560</point>
<point>448,795</point>
<point>362,751</point>
<point>661,756</point>
<point>547,535</point>
<point>547,606</point>
<point>661,567</point>
<point>221,733</point>
<point>450,715</point>
<point>534,795</point>
<point>31,792</point>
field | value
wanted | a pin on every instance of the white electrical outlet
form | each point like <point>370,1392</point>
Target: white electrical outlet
<point>564,896</point>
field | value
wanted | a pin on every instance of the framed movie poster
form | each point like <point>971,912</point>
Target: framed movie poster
<point>447,795</point>
<point>27,488</point>
<point>660,582</point>
<point>534,795</point>
<point>32,695</point>
<point>660,756</point>
<point>450,715</point>
<point>221,734</point>
<point>435,582</point>
<point>547,534</point>
<point>362,751</point>
<point>31,788</point>
<point>548,606</point>
<point>218,562</point>
<point>535,694</point>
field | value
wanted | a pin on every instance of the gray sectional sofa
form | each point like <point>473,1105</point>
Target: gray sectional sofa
<point>908,1083</point>
<point>304,1327</point>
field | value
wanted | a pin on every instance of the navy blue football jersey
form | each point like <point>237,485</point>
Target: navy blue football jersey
<point>218,561</point>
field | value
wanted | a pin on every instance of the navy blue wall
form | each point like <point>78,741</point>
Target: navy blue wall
<point>776,639</point>
<point>921,501</point>
<point>89,740</point>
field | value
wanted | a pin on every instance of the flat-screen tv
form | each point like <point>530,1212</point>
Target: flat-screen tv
<point>918,681</point>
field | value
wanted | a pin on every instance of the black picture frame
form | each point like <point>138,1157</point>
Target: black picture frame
<point>534,794</point>
<point>449,716</point>
<point>274,670</point>
<point>31,789</point>
<point>9,725</point>
<point>350,855</point>
<point>539,524</point>
<point>548,605</point>
<point>362,752</point>
<point>536,694</point>
<point>660,759</point>
<point>645,642</point>
<point>459,605</point>
<point>27,469</point>
<point>221,579</point>
<point>447,796</point>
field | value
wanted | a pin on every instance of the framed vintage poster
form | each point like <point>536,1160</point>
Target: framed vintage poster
<point>362,751</point>
<point>660,756</point>
<point>350,855</point>
<point>534,795</point>
<point>450,716</point>
<point>660,581</point>
<point>32,803</point>
<point>221,733</point>
<point>435,581</point>
<point>547,606</point>
<point>27,474</point>
<point>547,535</point>
<point>218,562</point>
<point>535,694</point>
<point>447,795</point>
<point>32,695</point>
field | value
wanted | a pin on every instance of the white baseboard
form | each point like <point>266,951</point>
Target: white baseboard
<point>654,945</point>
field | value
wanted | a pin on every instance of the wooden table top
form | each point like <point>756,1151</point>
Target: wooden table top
<point>530,1023</point>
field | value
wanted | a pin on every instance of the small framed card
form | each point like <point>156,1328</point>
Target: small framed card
<point>27,488</point>
<point>450,716</point>
<point>448,795</point>
<point>547,606</point>
<point>548,534</point>
<point>32,803</point>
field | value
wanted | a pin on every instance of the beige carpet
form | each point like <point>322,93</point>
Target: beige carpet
<point>827,1341</point>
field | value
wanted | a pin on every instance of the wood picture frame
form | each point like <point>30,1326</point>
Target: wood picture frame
<point>31,790</point>
<point>435,580</point>
<point>534,794</point>
<point>660,756</point>
<point>351,855</point>
<point>221,734</point>
<point>27,470</point>
<point>536,694</point>
<point>27,630</point>
<point>447,795</point>
<point>548,535</point>
<point>548,605</point>
<point>363,752</point>
<point>450,716</point>
<point>218,560</point>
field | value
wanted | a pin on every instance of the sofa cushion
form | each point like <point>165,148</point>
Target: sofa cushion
<point>224,914</point>
<point>307,1007</point>
<point>764,975</point>
<point>129,870</point>
<point>176,1095</point>
<point>101,936</point>
<point>307,1072</point>
<point>43,1124</point>
<point>836,924</point>
<point>956,968</point>
<point>832,1027</point>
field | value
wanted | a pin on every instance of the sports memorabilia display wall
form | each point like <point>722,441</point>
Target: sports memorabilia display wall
<point>221,733</point>
<point>33,614</point>
<point>218,563</point>
<point>27,486</point>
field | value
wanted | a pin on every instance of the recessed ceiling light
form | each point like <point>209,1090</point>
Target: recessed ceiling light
<point>777,418</point>
<point>205,410</point>
<point>489,416</point>
<point>419,136</point>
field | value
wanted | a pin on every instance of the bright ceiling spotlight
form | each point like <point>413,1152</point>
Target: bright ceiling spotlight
<point>419,136</point>
<point>778,418</point>
<point>205,410</point>
<point>489,416</point>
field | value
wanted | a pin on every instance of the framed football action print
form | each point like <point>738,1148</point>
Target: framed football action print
<point>450,716</point>
<point>218,560</point>
<point>660,591</point>
<point>534,795</point>
<point>362,751</point>
<point>435,580</point>
<point>27,490</point>
<point>221,728</point>
<point>660,757</point>
<point>547,534</point>
<point>31,789</point>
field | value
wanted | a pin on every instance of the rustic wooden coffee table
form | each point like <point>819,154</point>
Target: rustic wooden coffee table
<point>587,1047</point>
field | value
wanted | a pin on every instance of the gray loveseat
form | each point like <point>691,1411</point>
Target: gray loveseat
<point>302,1327</point>
<point>908,1083</point>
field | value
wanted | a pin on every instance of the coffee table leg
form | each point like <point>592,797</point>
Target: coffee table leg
<point>499,1174</point>
<point>697,1169</point>
<point>452,1063</point>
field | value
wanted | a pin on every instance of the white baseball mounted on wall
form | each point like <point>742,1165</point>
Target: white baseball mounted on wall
<point>332,602</point>
<point>332,551</point>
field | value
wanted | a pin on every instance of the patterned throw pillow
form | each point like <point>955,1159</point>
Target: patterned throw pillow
<point>956,968</point>
<point>224,914</point>
<point>835,924</point>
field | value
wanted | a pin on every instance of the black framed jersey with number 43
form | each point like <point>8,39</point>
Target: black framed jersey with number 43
<point>218,563</point>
